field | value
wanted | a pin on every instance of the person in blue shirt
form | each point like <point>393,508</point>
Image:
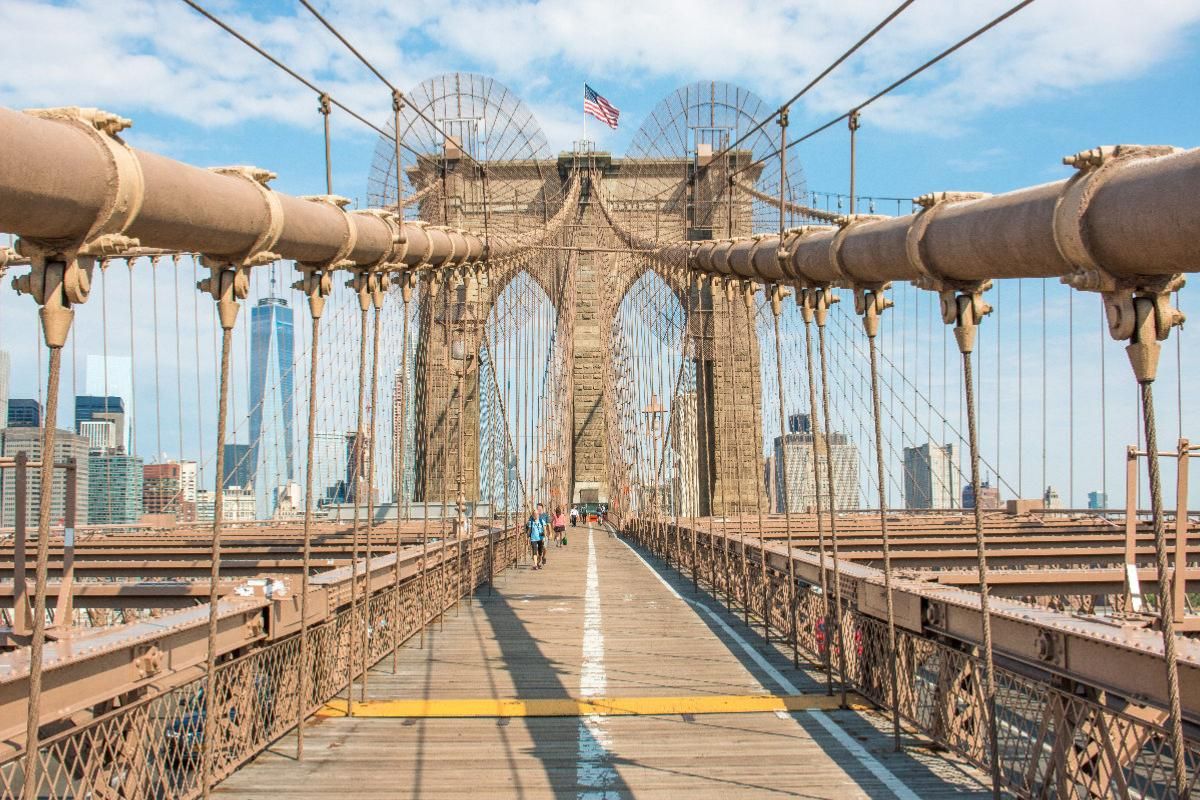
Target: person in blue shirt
<point>537,525</point>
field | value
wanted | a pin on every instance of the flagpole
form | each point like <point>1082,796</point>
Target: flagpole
<point>585,116</point>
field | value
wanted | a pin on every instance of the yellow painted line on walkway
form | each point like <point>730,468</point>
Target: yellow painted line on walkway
<point>603,706</point>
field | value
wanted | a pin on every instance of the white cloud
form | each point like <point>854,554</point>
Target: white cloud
<point>160,55</point>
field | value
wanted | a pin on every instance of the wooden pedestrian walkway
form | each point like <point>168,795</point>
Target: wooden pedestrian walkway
<point>601,676</point>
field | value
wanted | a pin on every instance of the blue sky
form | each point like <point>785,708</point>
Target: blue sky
<point>1058,77</point>
<point>1061,76</point>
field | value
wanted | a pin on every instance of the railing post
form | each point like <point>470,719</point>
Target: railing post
<point>65,607</point>
<point>1133,589</point>
<point>1181,532</point>
<point>22,616</point>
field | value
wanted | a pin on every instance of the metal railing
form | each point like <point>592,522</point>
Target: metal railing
<point>152,746</point>
<point>1052,744</point>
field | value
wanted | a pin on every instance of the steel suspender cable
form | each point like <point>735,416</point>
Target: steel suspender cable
<point>968,314</point>
<point>1166,593</point>
<point>425,318</point>
<point>833,507</point>
<point>316,304</point>
<point>812,407</point>
<point>755,383</point>
<point>355,476</point>
<point>792,618</point>
<point>874,303</point>
<point>377,298</point>
<point>401,463</point>
<point>732,428</point>
<point>210,689</point>
<point>158,451</point>
<point>38,639</point>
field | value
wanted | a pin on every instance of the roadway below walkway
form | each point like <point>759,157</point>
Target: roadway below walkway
<point>601,676</point>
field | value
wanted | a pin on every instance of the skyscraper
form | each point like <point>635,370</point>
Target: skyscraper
<point>109,409</point>
<point>329,465</point>
<point>23,413</point>
<point>270,458</point>
<point>1097,500</point>
<point>114,489</point>
<point>237,470</point>
<point>931,476</point>
<point>798,488</point>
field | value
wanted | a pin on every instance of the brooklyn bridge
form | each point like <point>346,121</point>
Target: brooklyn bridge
<point>825,527</point>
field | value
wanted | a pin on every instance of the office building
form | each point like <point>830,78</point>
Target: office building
<point>188,480</point>
<point>238,472</point>
<point>237,505</point>
<point>170,488</point>
<point>799,423</point>
<point>1051,499</point>
<point>797,489</point>
<point>114,489</point>
<point>288,501</point>
<point>931,476</point>
<point>989,496</point>
<point>108,409</point>
<point>100,433</point>
<point>1097,500</point>
<point>24,413</point>
<point>67,445</point>
<point>329,465</point>
<point>271,457</point>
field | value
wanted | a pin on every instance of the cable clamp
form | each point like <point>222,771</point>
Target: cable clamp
<point>1094,168</point>
<point>259,253</point>
<point>932,204</point>
<point>845,225</point>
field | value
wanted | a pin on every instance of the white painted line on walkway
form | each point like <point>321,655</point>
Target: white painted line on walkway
<point>869,762</point>
<point>593,773</point>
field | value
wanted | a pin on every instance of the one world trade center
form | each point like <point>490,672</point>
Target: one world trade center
<point>272,434</point>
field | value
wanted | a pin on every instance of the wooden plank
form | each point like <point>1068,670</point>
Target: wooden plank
<point>544,640</point>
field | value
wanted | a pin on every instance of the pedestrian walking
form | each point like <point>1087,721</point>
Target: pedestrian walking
<point>574,516</point>
<point>559,523</point>
<point>537,539</point>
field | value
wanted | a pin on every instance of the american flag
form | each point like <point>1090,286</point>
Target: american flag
<point>600,108</point>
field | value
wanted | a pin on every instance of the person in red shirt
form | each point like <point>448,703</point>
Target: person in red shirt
<point>559,522</point>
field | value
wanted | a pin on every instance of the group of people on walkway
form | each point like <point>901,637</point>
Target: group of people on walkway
<point>542,526</point>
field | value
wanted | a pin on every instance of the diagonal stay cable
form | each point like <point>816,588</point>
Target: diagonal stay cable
<point>329,26</point>
<point>808,86</point>
<point>894,85</point>
<point>256,48</point>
